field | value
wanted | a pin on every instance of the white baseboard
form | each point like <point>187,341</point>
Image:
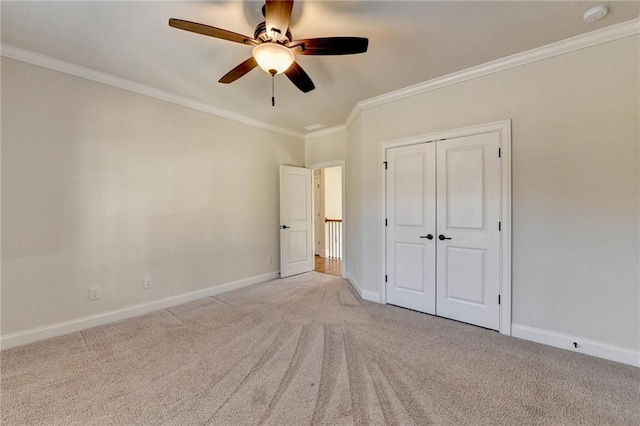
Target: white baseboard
<point>355,284</point>
<point>58,329</point>
<point>585,346</point>
<point>371,296</point>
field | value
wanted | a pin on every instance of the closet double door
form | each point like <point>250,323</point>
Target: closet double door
<point>442,223</point>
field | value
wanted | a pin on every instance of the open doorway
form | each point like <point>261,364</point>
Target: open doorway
<point>328,225</point>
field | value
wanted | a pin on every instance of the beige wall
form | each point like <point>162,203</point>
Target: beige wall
<point>575,184</point>
<point>354,202</point>
<point>102,187</point>
<point>326,148</point>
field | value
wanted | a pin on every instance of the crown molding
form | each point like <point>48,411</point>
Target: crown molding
<point>581,41</point>
<point>44,61</point>
<point>325,132</point>
<point>354,114</point>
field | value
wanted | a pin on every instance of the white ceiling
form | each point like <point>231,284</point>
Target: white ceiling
<point>409,42</point>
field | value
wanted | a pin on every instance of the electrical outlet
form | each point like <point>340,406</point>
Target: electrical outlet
<point>94,293</point>
<point>269,260</point>
<point>147,282</point>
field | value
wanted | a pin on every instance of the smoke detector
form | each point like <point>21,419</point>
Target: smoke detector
<point>595,13</point>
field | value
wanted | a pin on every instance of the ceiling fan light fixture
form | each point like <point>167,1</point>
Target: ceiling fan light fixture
<point>273,56</point>
<point>270,41</point>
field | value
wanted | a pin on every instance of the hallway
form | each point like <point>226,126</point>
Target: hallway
<point>328,266</point>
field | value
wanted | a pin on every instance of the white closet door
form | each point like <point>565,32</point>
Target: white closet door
<point>468,212</point>
<point>410,207</point>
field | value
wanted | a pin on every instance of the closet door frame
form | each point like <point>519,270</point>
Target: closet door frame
<point>504,130</point>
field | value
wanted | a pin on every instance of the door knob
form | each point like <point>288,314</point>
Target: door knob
<point>285,227</point>
<point>428,236</point>
<point>442,237</point>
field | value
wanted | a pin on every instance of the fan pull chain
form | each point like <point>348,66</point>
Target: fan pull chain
<point>273,96</point>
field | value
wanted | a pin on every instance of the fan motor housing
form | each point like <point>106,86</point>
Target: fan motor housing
<point>261,34</point>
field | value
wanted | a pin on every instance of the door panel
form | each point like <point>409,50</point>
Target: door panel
<point>410,210</point>
<point>465,284</point>
<point>409,187</point>
<point>296,246</point>
<point>409,264</point>
<point>296,199</point>
<point>465,182</point>
<point>468,212</point>
<point>296,221</point>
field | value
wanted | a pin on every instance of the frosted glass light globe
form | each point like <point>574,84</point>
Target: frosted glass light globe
<point>273,56</point>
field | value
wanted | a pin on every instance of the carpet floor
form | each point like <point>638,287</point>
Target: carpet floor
<point>306,350</point>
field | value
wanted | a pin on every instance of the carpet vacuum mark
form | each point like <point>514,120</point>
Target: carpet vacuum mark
<point>306,350</point>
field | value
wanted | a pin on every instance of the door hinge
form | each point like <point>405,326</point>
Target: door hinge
<point>386,278</point>
<point>498,299</point>
<point>385,165</point>
<point>499,226</point>
<point>386,222</point>
<point>499,152</point>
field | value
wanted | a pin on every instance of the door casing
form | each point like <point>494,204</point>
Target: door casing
<point>504,129</point>
<point>318,207</point>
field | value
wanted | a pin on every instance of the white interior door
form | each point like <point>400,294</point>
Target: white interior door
<point>411,226</point>
<point>296,221</point>
<point>468,244</point>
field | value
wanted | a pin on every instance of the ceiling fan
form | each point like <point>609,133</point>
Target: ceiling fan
<point>274,49</point>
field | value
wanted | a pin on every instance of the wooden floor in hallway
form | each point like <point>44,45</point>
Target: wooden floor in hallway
<point>328,266</point>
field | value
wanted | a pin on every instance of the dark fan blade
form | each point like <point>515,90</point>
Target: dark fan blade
<point>239,71</point>
<point>300,78</point>
<point>211,31</point>
<point>277,15</point>
<point>330,46</point>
